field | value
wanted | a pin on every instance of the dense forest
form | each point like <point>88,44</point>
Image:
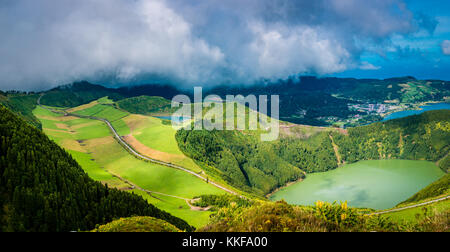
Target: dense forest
<point>243,161</point>
<point>303,99</point>
<point>22,104</point>
<point>314,154</point>
<point>44,189</point>
<point>419,137</point>
<point>262,167</point>
<point>77,94</point>
<point>83,92</point>
<point>146,105</point>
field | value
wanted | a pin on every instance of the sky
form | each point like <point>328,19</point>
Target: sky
<point>45,43</point>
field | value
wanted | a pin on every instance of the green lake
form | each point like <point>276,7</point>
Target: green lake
<point>377,184</point>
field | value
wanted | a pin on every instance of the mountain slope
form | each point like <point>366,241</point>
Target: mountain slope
<point>83,92</point>
<point>245,162</point>
<point>241,160</point>
<point>44,189</point>
<point>440,187</point>
<point>146,105</point>
<point>303,100</point>
<point>77,94</point>
<point>419,137</point>
<point>22,104</point>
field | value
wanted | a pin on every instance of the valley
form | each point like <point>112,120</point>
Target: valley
<point>237,119</point>
<point>130,145</point>
<point>92,144</point>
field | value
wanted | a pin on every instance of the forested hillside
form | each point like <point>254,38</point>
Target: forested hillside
<point>43,188</point>
<point>77,94</point>
<point>315,154</point>
<point>146,105</point>
<point>310,100</point>
<point>247,163</point>
<point>303,100</point>
<point>440,187</point>
<point>420,137</point>
<point>22,104</point>
<point>242,160</point>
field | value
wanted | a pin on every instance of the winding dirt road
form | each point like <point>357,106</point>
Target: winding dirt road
<point>134,152</point>
<point>138,155</point>
<point>412,206</point>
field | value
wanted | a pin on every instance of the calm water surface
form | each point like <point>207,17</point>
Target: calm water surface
<point>177,119</point>
<point>400,114</point>
<point>378,184</point>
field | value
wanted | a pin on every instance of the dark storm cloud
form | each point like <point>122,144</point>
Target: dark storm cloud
<point>49,42</point>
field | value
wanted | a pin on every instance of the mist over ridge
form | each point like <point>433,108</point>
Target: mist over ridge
<point>209,42</point>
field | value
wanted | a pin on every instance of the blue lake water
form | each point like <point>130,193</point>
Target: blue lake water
<point>434,106</point>
<point>176,119</point>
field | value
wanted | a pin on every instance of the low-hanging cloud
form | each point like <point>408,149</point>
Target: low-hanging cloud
<point>47,43</point>
<point>446,47</point>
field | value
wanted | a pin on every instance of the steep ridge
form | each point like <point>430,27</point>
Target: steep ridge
<point>425,137</point>
<point>44,189</point>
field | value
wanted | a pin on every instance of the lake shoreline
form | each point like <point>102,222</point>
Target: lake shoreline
<point>281,188</point>
<point>376,184</point>
<point>416,110</point>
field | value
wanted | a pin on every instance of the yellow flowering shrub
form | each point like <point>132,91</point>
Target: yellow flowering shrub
<point>339,215</point>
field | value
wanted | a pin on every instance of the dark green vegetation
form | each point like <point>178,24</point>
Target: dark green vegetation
<point>404,89</point>
<point>260,167</point>
<point>106,111</point>
<point>311,100</point>
<point>240,159</point>
<point>315,154</point>
<point>444,163</point>
<point>44,189</point>
<point>137,224</point>
<point>77,94</point>
<point>146,105</point>
<point>220,201</point>
<point>22,104</point>
<point>303,100</point>
<point>420,137</point>
<point>440,187</point>
<point>323,217</point>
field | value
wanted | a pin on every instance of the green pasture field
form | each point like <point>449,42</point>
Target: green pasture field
<point>101,156</point>
<point>95,171</point>
<point>178,208</point>
<point>413,215</point>
<point>158,136</point>
<point>103,111</point>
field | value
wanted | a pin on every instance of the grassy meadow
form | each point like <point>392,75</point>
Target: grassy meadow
<point>91,143</point>
<point>414,215</point>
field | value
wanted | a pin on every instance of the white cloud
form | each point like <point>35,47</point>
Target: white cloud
<point>92,38</point>
<point>368,66</point>
<point>446,47</point>
<point>47,43</point>
<point>285,51</point>
<point>373,18</point>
